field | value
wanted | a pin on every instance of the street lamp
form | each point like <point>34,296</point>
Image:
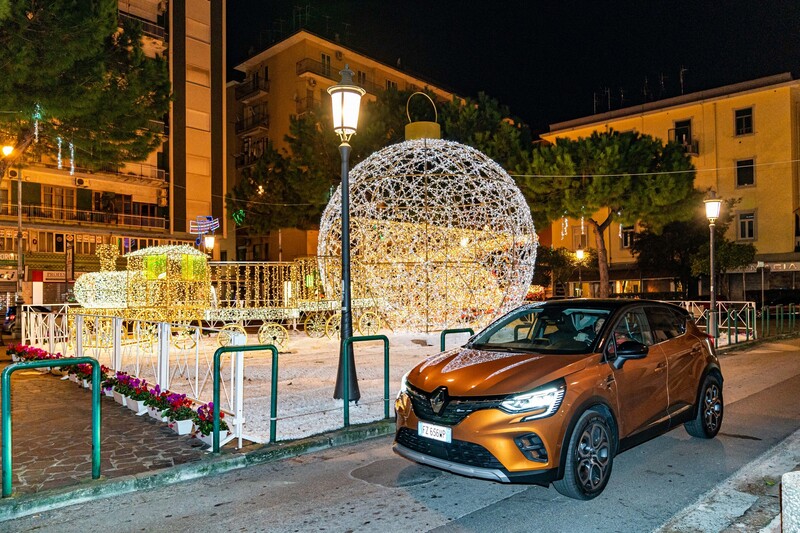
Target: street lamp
<point>346,103</point>
<point>579,253</point>
<point>713,205</point>
<point>18,301</point>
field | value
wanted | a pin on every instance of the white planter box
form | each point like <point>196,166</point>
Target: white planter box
<point>137,406</point>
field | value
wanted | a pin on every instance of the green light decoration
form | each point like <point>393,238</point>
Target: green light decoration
<point>238,216</point>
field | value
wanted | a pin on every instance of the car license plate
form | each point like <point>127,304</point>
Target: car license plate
<point>432,431</point>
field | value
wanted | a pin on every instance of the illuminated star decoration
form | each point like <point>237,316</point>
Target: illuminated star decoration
<point>441,236</point>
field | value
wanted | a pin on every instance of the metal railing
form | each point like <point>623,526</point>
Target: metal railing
<point>735,320</point>
<point>5,383</point>
<point>249,123</point>
<point>69,215</point>
<point>250,87</point>
<point>447,332</point>
<point>135,170</point>
<point>346,348</point>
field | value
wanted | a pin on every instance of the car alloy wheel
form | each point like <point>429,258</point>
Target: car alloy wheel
<point>594,448</point>
<point>590,456</point>
<point>710,410</point>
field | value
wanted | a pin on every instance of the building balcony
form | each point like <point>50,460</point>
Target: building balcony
<point>311,66</point>
<point>304,105</point>
<point>245,160</point>
<point>64,216</point>
<point>251,89</point>
<point>127,172</point>
<point>149,29</point>
<point>252,124</point>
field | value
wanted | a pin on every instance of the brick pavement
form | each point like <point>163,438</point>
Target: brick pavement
<point>52,440</point>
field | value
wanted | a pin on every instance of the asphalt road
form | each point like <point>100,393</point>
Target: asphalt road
<point>365,487</point>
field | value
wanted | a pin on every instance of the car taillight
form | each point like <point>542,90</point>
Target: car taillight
<point>12,317</point>
<point>711,340</point>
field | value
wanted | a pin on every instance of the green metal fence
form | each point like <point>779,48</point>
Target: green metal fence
<point>447,332</point>
<point>346,374</point>
<point>5,383</point>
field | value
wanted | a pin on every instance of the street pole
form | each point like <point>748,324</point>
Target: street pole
<point>346,356</point>
<point>18,301</point>
<point>713,205</point>
<point>345,104</point>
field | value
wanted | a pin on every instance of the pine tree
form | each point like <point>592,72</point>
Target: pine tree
<point>69,70</point>
<point>628,177</point>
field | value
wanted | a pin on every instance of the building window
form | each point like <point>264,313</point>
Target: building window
<point>745,173</point>
<point>361,76</point>
<point>746,226</point>
<point>326,65</point>
<point>743,121</point>
<point>57,202</point>
<point>683,132</point>
<point>628,234</point>
<point>391,85</point>
<point>580,239</point>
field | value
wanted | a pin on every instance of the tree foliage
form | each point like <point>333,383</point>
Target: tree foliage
<point>70,68</point>
<point>310,168</point>
<point>627,177</point>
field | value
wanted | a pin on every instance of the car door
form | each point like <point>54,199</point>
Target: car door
<point>684,354</point>
<point>641,384</point>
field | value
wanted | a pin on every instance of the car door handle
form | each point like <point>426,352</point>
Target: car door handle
<point>661,367</point>
<point>609,381</point>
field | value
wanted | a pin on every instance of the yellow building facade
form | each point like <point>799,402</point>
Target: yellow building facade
<point>288,79</point>
<point>744,141</point>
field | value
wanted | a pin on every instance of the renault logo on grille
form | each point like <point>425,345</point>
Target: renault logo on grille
<point>438,400</point>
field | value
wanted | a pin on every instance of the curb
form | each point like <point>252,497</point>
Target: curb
<point>26,504</point>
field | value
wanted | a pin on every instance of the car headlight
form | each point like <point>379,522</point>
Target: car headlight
<point>541,402</point>
<point>403,384</point>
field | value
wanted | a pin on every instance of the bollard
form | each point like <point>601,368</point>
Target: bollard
<point>346,375</point>
<point>273,397</point>
<point>453,331</point>
<point>5,383</point>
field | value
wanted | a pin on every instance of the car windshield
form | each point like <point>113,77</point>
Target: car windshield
<point>544,329</point>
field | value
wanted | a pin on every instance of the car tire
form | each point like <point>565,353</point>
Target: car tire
<point>710,408</point>
<point>589,458</point>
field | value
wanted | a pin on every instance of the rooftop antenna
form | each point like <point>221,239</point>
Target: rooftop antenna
<point>594,103</point>
<point>621,97</point>
<point>662,85</point>
<point>646,89</point>
<point>680,75</point>
<point>608,98</point>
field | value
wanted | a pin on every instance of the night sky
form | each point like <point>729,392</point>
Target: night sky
<point>546,60</point>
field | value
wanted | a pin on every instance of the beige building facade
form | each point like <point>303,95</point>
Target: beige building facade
<point>744,140</point>
<point>288,79</point>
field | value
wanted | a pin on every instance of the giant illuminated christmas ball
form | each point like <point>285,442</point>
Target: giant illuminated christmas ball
<point>441,237</point>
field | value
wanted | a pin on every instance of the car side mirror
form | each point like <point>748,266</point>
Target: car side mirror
<point>629,350</point>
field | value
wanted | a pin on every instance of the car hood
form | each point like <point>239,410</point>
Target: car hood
<point>469,372</point>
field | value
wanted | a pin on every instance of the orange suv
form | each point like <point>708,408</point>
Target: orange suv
<point>552,391</point>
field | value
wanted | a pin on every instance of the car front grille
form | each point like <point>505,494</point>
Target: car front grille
<point>455,410</point>
<point>458,451</point>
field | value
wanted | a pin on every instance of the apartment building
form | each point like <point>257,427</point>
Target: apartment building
<point>68,210</point>
<point>744,140</point>
<point>288,79</point>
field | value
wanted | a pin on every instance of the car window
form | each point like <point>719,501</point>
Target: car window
<point>633,326</point>
<point>666,323</point>
<point>557,329</point>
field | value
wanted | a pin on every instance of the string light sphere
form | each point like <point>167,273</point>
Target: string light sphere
<point>439,231</point>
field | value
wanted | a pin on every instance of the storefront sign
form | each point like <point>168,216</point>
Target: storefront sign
<point>773,266</point>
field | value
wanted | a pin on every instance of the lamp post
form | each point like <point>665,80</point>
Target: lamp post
<point>713,205</point>
<point>579,253</point>
<point>346,103</point>
<point>18,301</point>
<point>208,242</point>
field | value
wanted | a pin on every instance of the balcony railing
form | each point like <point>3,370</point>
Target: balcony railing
<point>148,28</point>
<point>136,170</point>
<point>260,120</point>
<point>245,160</point>
<point>305,105</point>
<point>67,216</point>
<point>251,87</point>
<point>316,67</point>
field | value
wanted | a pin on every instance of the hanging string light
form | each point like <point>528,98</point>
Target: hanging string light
<point>583,227</point>
<point>71,159</point>
<point>59,152</point>
<point>564,226</point>
<point>37,115</point>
